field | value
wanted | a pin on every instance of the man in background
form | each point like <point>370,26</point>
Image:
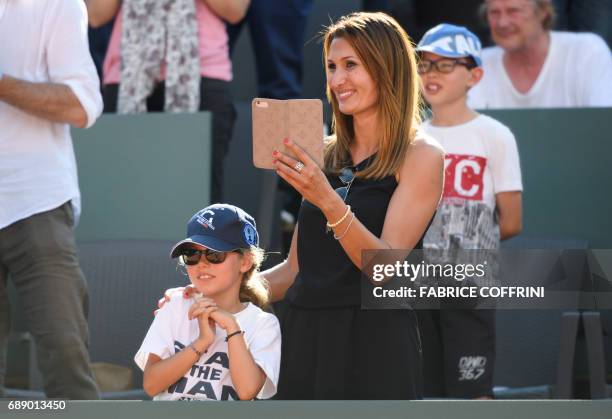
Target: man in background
<point>47,82</point>
<point>535,67</point>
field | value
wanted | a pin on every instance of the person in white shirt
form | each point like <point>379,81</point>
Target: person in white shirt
<point>217,343</point>
<point>534,67</point>
<point>481,205</point>
<point>47,83</point>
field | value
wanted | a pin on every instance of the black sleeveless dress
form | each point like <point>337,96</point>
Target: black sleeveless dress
<point>332,349</point>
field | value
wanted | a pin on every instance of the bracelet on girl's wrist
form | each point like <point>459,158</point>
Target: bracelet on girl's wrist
<point>198,353</point>
<point>337,223</point>
<point>237,332</point>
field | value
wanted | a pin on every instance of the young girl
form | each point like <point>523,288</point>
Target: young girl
<point>217,344</point>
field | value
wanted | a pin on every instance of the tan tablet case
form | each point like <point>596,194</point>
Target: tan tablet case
<point>300,120</point>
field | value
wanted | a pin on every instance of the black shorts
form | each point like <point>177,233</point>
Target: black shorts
<point>458,352</point>
<point>350,354</point>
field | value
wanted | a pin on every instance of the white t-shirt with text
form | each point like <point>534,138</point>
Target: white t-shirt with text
<point>577,72</point>
<point>481,161</point>
<point>209,378</point>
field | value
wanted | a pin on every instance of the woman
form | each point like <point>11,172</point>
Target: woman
<point>173,58</point>
<point>331,349</point>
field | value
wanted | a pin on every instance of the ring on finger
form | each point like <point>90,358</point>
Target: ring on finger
<point>298,166</point>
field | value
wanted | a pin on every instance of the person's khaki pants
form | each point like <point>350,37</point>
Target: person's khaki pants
<point>38,254</point>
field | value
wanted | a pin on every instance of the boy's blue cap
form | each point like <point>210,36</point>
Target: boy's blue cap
<point>451,41</point>
<point>220,227</point>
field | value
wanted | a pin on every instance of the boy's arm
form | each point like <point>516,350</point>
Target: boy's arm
<point>509,213</point>
<point>159,374</point>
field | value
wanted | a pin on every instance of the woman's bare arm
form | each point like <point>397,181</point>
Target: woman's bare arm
<point>281,276</point>
<point>232,11</point>
<point>408,214</point>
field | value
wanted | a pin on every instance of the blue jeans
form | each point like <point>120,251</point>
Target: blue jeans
<point>277,28</point>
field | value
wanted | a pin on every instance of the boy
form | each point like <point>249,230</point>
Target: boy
<point>481,205</point>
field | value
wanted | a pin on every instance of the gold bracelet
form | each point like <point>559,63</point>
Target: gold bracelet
<point>337,223</point>
<point>347,228</point>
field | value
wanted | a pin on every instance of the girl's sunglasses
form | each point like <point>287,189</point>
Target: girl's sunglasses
<point>192,256</point>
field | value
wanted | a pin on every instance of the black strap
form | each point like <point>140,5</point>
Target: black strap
<point>238,332</point>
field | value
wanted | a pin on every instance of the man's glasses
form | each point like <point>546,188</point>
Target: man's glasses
<point>346,177</point>
<point>441,66</point>
<point>192,256</point>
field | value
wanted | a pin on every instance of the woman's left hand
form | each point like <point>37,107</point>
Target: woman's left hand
<point>303,174</point>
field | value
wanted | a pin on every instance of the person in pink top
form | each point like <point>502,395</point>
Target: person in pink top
<point>173,58</point>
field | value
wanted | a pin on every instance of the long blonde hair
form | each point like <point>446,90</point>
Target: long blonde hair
<point>388,56</point>
<point>254,287</point>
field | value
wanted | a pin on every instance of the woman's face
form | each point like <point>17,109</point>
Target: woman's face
<point>213,280</point>
<point>349,81</point>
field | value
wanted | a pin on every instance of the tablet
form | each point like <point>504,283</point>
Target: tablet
<point>300,120</point>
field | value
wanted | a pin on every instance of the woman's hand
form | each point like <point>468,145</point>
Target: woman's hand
<point>225,320</point>
<point>304,175</point>
<point>188,291</point>
<point>202,311</point>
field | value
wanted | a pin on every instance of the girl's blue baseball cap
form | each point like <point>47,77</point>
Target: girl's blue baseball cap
<point>220,227</point>
<point>451,41</point>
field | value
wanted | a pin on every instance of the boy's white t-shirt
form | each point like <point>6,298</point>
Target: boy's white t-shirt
<point>577,72</point>
<point>209,378</point>
<point>481,160</point>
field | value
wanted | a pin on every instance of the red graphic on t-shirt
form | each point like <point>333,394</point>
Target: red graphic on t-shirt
<point>464,176</point>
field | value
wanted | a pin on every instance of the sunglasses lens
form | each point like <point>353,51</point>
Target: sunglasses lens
<point>215,257</point>
<point>191,257</point>
<point>346,175</point>
<point>342,191</point>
